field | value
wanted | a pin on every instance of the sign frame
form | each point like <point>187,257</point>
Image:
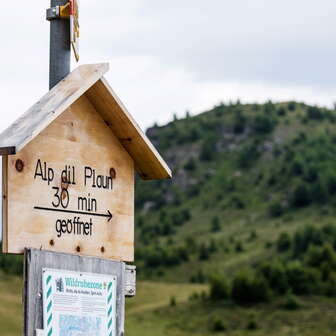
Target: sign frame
<point>78,297</point>
<point>35,261</point>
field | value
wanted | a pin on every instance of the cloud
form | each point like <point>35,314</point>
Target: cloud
<point>284,42</point>
<point>167,57</point>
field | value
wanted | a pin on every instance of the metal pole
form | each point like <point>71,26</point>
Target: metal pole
<point>60,47</point>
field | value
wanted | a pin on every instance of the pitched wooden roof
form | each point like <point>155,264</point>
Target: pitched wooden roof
<point>88,80</point>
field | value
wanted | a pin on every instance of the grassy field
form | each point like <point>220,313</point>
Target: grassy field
<point>152,313</point>
<point>10,306</point>
<point>314,318</point>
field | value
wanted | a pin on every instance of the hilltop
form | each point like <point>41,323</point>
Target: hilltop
<point>243,175</point>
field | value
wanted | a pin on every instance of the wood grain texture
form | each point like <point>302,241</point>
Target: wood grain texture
<point>50,106</point>
<point>79,138</point>
<point>148,162</point>
<point>36,260</point>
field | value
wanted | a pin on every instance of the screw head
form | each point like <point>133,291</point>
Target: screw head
<point>52,243</point>
<point>113,173</point>
<point>19,165</point>
<point>64,194</point>
<point>78,249</point>
<point>64,183</point>
<point>102,249</point>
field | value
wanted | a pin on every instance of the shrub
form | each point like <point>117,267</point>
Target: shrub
<point>199,277</point>
<point>212,246</point>
<point>281,111</point>
<point>284,242</point>
<point>193,190</point>
<point>319,192</point>
<point>276,209</point>
<point>239,123</point>
<point>208,149</point>
<point>318,256</point>
<point>314,113</point>
<point>190,165</point>
<point>203,252</point>
<point>11,264</point>
<point>167,229</point>
<point>272,180</point>
<point>291,302</point>
<point>237,202</point>
<point>218,325</point>
<point>215,224</point>
<point>219,289</point>
<point>263,124</point>
<point>331,183</point>
<point>269,107</point>
<point>330,285</point>
<point>247,156</point>
<point>311,174</point>
<point>301,279</point>
<point>239,247</point>
<point>140,222</point>
<point>182,253</point>
<point>296,168</point>
<point>275,275</point>
<point>185,214</point>
<point>246,290</point>
<point>291,106</point>
<point>172,301</point>
<point>252,325</point>
<point>253,235</point>
<point>301,196</point>
<point>304,237</point>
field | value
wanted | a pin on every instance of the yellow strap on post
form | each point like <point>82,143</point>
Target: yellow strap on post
<point>65,11</point>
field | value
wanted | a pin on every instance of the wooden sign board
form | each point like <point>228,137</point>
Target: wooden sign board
<point>68,171</point>
<point>71,189</point>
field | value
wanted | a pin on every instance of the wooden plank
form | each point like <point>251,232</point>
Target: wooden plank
<point>7,150</point>
<point>4,204</point>
<point>36,260</point>
<point>38,217</point>
<point>148,162</point>
<point>56,101</point>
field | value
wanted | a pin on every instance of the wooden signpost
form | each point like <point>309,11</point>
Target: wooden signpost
<point>68,168</point>
<point>68,184</point>
<point>68,171</point>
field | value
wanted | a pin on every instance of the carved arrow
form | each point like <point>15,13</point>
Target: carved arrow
<point>108,214</point>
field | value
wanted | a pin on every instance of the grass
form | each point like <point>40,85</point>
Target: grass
<point>151,313</point>
<point>315,318</point>
<point>11,313</point>
<point>239,227</point>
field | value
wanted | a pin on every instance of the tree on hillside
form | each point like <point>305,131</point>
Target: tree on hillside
<point>301,196</point>
<point>208,150</point>
<point>263,124</point>
<point>215,224</point>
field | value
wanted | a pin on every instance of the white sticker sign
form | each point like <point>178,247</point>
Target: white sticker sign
<point>78,304</point>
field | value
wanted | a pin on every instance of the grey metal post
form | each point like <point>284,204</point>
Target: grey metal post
<point>60,47</point>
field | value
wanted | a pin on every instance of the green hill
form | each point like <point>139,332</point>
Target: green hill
<point>243,174</point>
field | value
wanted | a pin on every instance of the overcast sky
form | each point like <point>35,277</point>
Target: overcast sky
<point>171,56</point>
